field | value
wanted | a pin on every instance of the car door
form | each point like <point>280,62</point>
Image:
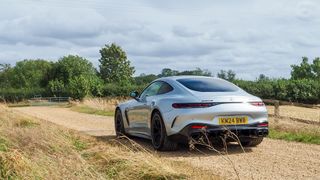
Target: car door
<point>139,112</point>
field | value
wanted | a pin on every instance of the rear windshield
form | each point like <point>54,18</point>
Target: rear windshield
<point>208,85</point>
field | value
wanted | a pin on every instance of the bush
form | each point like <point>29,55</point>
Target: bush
<point>302,90</point>
<point>16,95</point>
<point>121,90</point>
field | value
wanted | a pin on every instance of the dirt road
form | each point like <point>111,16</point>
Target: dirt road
<point>273,159</point>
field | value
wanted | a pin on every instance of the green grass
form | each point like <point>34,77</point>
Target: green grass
<point>3,145</point>
<point>298,136</point>
<point>79,145</point>
<point>90,110</point>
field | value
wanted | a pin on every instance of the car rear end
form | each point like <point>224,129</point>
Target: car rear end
<point>217,112</point>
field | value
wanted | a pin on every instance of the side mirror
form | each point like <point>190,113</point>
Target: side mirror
<point>134,95</point>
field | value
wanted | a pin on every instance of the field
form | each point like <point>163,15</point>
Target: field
<point>280,154</point>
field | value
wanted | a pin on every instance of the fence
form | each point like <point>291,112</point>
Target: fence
<point>277,110</point>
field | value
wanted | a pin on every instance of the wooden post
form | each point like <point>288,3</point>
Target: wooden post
<point>276,111</point>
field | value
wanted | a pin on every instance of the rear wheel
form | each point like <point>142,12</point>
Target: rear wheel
<point>118,123</point>
<point>251,142</point>
<point>160,140</point>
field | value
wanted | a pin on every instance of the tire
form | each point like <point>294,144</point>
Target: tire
<point>252,142</point>
<point>160,140</point>
<point>118,124</point>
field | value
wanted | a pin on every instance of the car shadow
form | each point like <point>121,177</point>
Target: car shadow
<point>141,144</point>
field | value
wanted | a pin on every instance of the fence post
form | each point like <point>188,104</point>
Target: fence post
<point>276,111</point>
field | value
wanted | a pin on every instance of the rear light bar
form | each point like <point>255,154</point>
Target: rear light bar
<point>258,103</point>
<point>198,127</point>
<point>263,125</point>
<point>199,105</point>
<point>192,105</point>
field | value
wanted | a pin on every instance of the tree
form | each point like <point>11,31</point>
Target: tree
<point>71,66</point>
<point>168,72</point>
<point>114,65</point>
<point>302,71</point>
<point>145,79</point>
<point>78,76</point>
<point>56,87</point>
<point>31,73</point>
<point>79,87</point>
<point>5,70</point>
<point>231,75</point>
<point>4,67</point>
<point>222,74</point>
<point>316,68</point>
<point>227,75</point>
<point>263,77</point>
<point>196,72</point>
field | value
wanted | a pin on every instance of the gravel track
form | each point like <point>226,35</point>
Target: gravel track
<point>273,159</point>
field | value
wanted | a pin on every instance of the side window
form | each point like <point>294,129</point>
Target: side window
<point>151,90</point>
<point>165,88</point>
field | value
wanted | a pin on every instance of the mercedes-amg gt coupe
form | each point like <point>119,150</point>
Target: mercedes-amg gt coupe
<point>172,110</point>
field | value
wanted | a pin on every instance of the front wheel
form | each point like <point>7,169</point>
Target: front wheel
<point>160,140</point>
<point>251,142</point>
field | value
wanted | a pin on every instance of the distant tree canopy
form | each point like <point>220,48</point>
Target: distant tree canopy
<point>114,65</point>
<point>76,77</point>
<point>30,73</point>
<point>306,70</point>
<point>197,72</point>
<point>227,75</point>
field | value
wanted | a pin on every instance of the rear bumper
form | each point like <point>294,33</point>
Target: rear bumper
<point>242,131</point>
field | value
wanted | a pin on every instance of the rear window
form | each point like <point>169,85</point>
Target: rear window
<point>208,85</point>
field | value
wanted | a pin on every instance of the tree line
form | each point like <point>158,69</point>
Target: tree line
<point>76,77</point>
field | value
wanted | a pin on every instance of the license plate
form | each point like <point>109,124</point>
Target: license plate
<point>233,120</point>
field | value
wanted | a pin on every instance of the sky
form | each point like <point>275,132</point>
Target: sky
<point>250,37</point>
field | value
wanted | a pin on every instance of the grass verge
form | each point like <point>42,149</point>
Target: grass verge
<point>90,110</point>
<point>35,149</point>
<point>304,136</point>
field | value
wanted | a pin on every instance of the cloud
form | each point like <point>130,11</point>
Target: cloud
<point>249,37</point>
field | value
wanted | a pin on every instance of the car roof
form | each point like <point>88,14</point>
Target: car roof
<point>186,77</point>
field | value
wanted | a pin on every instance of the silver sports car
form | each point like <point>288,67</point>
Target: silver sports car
<point>174,109</point>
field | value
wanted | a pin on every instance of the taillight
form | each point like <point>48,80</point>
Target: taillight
<point>258,103</point>
<point>192,105</point>
<point>198,127</point>
<point>263,125</point>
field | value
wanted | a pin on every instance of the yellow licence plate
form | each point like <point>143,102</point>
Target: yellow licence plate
<point>233,120</point>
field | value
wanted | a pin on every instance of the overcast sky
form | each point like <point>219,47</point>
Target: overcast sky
<point>248,36</point>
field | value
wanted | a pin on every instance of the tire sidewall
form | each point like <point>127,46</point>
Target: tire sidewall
<point>119,132</point>
<point>157,116</point>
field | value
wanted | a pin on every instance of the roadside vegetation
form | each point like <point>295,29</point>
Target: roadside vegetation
<point>304,136</point>
<point>34,149</point>
<point>76,77</point>
<point>89,110</point>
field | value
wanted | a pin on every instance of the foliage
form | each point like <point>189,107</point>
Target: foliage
<point>302,90</point>
<point>114,65</point>
<point>29,74</point>
<point>79,87</point>
<point>56,87</point>
<point>227,75</point>
<point>197,72</point>
<point>76,77</point>
<point>72,66</point>
<point>17,95</point>
<point>121,90</point>
<point>306,70</point>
